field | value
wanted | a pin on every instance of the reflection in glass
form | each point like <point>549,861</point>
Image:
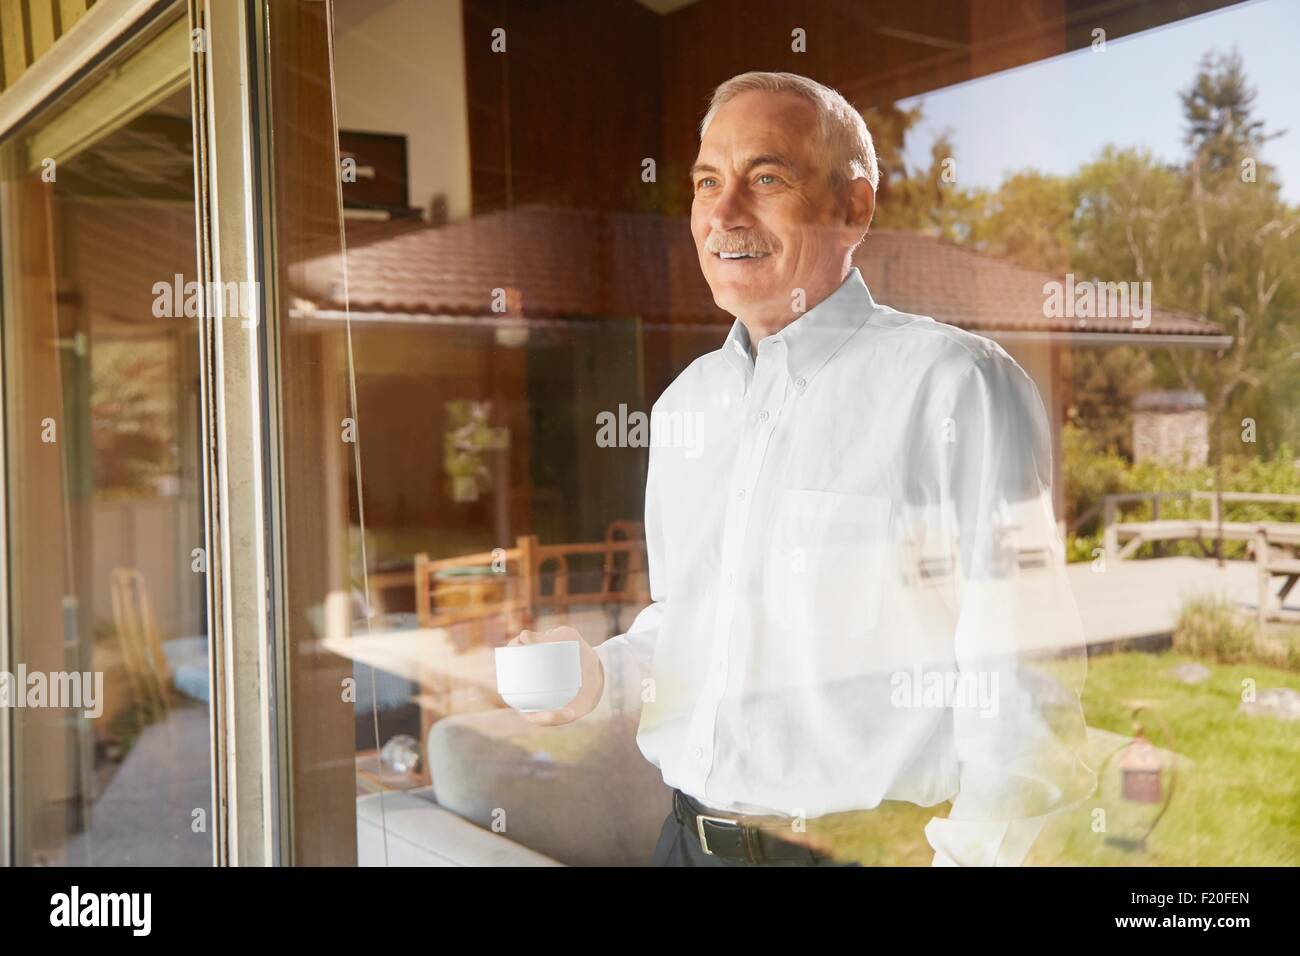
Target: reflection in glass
<point>105,487</point>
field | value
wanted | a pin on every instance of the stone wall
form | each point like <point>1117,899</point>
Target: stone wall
<point>1169,436</point>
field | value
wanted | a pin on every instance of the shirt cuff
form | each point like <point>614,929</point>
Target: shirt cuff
<point>982,843</point>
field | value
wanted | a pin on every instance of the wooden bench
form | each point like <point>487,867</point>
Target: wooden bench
<point>1274,543</point>
<point>1272,566</point>
<point>1123,539</point>
<point>1129,536</point>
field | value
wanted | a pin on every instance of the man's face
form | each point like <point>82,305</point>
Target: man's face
<point>762,188</point>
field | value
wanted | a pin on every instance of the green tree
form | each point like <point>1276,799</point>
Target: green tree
<point>1218,106</point>
<point>1245,242</point>
<point>1214,238</point>
<point>1105,383</point>
<point>889,127</point>
<point>1027,220</point>
<point>926,200</point>
<point>133,416</point>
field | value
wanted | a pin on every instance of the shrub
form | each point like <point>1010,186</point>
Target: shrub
<point>1091,473</point>
<point>1211,628</point>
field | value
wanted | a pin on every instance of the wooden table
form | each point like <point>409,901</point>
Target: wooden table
<point>450,681</point>
<point>373,776</point>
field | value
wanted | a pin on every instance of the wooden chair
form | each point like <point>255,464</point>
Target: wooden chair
<point>629,578</point>
<point>515,586</point>
<point>510,582</point>
<point>146,664</point>
<point>495,583</point>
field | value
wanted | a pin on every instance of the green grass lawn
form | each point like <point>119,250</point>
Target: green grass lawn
<point>1236,798</point>
<point>1236,801</point>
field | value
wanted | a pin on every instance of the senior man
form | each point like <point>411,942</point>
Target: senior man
<point>846,608</point>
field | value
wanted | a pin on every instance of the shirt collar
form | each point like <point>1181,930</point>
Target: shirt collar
<point>735,351</point>
<point>815,336</point>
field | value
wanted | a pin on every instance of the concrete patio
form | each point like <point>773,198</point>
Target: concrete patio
<point>1138,601</point>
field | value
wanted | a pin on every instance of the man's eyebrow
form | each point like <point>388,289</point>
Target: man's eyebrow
<point>769,159</point>
<point>701,168</point>
<point>762,159</point>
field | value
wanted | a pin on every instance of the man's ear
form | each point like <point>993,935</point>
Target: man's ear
<point>859,204</point>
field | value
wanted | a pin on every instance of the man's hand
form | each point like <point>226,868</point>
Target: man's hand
<point>593,677</point>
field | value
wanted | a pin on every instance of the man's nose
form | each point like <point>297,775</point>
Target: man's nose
<point>730,210</point>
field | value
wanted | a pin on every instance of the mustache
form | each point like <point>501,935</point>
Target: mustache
<point>718,244</point>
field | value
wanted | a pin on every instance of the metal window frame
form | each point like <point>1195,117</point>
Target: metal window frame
<point>94,38</point>
<point>239,381</point>
<point>99,36</point>
<point>239,419</point>
<point>6,645</point>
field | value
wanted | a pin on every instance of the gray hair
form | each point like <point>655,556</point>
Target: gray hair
<point>842,132</point>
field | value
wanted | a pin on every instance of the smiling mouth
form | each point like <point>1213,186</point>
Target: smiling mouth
<point>731,256</point>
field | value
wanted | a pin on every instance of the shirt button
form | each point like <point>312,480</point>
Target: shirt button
<point>731,578</point>
<point>801,382</point>
<point>763,416</point>
<point>699,753</point>
<point>741,494</point>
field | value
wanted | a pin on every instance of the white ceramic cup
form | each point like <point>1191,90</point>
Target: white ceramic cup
<point>534,677</point>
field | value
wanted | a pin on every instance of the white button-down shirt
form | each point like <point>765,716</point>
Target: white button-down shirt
<point>858,583</point>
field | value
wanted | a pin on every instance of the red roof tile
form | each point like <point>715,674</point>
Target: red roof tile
<point>571,263</point>
<point>981,292</point>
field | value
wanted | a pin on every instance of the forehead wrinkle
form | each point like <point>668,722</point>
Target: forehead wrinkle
<point>764,138</point>
<point>762,158</point>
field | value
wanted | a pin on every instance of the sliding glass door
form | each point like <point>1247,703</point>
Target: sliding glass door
<point>107,676</point>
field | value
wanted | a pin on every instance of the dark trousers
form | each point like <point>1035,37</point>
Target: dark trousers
<point>680,846</point>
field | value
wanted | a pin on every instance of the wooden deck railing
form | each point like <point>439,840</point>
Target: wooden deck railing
<point>1275,545</point>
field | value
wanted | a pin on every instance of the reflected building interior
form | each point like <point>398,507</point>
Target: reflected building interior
<point>518,263</point>
<point>518,269</point>
<point>118,358</point>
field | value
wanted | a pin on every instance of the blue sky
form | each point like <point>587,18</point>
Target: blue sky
<point>1057,114</point>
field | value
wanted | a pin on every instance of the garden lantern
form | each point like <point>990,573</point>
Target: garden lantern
<point>1140,768</point>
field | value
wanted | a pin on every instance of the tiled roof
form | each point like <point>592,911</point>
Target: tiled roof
<point>981,292</point>
<point>572,263</point>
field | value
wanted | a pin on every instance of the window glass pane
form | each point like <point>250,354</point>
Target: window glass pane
<point>503,276</point>
<point>509,334</point>
<point>108,585</point>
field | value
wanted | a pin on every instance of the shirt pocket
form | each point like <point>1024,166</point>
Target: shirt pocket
<point>828,563</point>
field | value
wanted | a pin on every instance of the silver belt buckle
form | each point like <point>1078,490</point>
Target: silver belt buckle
<point>699,828</point>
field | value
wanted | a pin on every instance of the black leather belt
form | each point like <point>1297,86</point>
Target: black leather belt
<point>731,838</point>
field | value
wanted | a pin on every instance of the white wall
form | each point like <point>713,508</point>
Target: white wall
<point>400,68</point>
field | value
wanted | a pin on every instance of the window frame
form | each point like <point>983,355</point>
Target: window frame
<point>239,377</point>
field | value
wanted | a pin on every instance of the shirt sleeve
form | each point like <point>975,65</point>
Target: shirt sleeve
<point>1017,629</point>
<point>627,659</point>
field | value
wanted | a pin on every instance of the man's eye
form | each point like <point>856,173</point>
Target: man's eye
<point>704,182</point>
<point>768,176</point>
